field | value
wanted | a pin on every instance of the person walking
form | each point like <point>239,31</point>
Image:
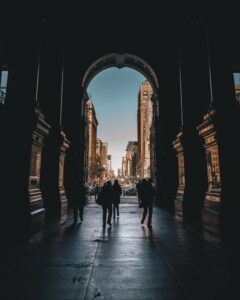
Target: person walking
<point>138,187</point>
<point>74,187</point>
<point>107,197</point>
<point>96,191</point>
<point>148,195</point>
<point>82,202</point>
<point>117,191</point>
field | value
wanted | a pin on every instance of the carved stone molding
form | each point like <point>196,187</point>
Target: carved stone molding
<point>64,146</point>
<point>39,135</point>
<point>208,132</point>
<point>120,60</point>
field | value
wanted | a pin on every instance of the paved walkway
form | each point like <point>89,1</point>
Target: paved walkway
<point>125,261</point>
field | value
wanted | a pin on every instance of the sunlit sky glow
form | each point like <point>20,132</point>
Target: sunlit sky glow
<point>114,93</point>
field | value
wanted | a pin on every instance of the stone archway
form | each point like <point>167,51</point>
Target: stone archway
<point>121,60</point>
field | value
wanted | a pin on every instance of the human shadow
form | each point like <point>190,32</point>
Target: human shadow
<point>106,232</point>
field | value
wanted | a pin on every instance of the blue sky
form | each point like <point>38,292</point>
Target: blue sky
<point>236,78</point>
<point>114,94</point>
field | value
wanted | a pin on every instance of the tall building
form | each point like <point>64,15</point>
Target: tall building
<point>145,111</point>
<point>109,164</point>
<point>92,124</point>
<point>131,158</point>
<point>123,166</point>
<point>119,172</point>
<point>128,164</point>
<point>99,160</point>
<point>99,152</point>
<point>105,159</point>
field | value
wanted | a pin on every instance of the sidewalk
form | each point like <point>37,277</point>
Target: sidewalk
<point>125,261</point>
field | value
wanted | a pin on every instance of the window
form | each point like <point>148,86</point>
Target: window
<point>3,85</point>
<point>236,77</point>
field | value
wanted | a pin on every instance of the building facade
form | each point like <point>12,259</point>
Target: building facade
<point>92,124</point>
<point>123,166</point>
<point>131,157</point>
<point>145,112</point>
<point>105,160</point>
<point>99,158</point>
<point>119,173</point>
<point>99,152</point>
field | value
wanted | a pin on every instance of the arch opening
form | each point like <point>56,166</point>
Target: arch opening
<point>124,61</point>
<point>120,60</point>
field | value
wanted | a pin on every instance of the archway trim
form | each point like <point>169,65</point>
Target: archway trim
<point>120,60</point>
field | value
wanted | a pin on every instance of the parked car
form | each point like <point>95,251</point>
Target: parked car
<point>131,192</point>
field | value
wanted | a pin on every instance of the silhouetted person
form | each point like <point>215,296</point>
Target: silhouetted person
<point>107,201</point>
<point>79,202</point>
<point>75,189</point>
<point>96,191</point>
<point>138,187</point>
<point>117,191</point>
<point>148,195</point>
<point>83,192</point>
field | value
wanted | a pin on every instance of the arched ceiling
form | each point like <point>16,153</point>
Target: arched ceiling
<point>120,60</point>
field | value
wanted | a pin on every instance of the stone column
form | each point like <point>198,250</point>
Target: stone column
<point>195,177</point>
<point>220,129</point>
<point>83,141</point>
<point>37,210</point>
<point>52,101</point>
<point>74,124</point>
<point>154,145</point>
<point>168,123</point>
<point>208,131</point>
<point>193,100</point>
<point>16,131</point>
<point>211,207</point>
<point>52,174</point>
<point>63,199</point>
<point>178,147</point>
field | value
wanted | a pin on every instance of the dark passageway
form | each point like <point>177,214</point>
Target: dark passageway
<point>125,261</point>
<point>48,57</point>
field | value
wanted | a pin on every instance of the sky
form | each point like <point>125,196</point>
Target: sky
<point>236,78</point>
<point>114,93</point>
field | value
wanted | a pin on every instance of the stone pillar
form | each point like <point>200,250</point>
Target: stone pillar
<point>208,131</point>
<point>220,128</point>
<point>52,95</point>
<point>167,126</point>
<point>52,172</point>
<point>195,177</point>
<point>63,199</point>
<point>83,142</point>
<point>178,147</point>
<point>37,210</point>
<point>211,208</point>
<point>193,100</point>
<point>16,132</point>
<point>155,147</point>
